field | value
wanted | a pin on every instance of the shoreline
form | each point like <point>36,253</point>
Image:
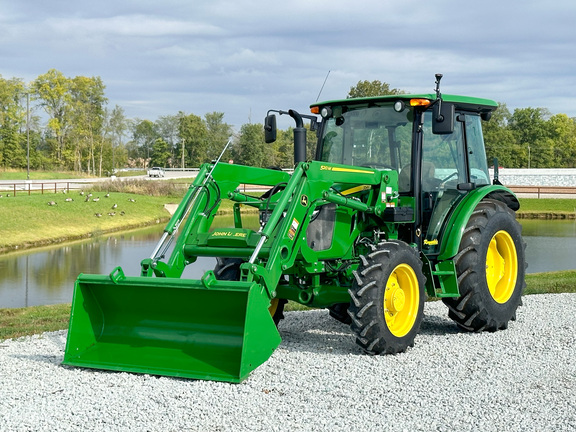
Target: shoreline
<point>55,241</point>
<point>171,208</point>
<point>546,215</point>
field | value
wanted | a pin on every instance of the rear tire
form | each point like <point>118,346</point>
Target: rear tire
<point>229,269</point>
<point>387,298</point>
<point>490,265</point>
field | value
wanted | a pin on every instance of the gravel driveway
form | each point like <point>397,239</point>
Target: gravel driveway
<point>521,379</point>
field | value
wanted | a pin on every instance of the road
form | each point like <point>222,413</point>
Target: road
<point>57,185</point>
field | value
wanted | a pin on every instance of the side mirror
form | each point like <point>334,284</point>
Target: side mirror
<point>270,128</point>
<point>443,119</point>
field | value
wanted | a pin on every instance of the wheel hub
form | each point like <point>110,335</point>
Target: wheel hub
<point>401,300</point>
<point>501,266</point>
<point>396,300</point>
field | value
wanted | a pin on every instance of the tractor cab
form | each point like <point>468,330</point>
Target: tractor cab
<point>435,145</point>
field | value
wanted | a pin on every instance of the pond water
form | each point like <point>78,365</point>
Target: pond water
<point>47,275</point>
<point>550,244</point>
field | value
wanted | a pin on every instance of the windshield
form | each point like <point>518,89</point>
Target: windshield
<point>375,136</point>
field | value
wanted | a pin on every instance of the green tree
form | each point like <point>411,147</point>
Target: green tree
<point>311,142</point>
<point>529,126</point>
<point>12,121</point>
<point>193,135</point>
<point>88,114</point>
<point>250,148</point>
<point>372,88</point>
<point>500,141</point>
<point>562,131</point>
<point>52,90</point>
<point>144,134</point>
<point>217,134</point>
<point>116,127</point>
<point>167,127</point>
<point>160,153</point>
<point>282,155</point>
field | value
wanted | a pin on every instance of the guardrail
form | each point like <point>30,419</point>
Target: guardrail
<point>544,191</point>
<point>65,187</point>
<point>43,187</point>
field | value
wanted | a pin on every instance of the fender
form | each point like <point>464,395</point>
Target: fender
<point>459,218</point>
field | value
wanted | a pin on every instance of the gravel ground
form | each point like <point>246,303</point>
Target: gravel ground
<point>521,379</point>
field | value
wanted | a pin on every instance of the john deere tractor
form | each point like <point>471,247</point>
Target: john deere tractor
<point>397,205</point>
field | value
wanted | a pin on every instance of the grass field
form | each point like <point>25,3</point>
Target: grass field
<point>30,220</point>
<point>547,206</point>
<point>40,175</point>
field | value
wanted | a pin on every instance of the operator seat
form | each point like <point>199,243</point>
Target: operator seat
<point>429,182</point>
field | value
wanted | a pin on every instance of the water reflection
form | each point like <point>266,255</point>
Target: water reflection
<point>47,276</point>
<point>550,245</point>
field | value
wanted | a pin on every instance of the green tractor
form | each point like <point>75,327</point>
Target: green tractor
<point>397,205</point>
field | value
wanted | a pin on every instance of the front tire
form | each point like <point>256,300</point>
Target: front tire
<point>339,312</point>
<point>387,298</point>
<point>490,265</point>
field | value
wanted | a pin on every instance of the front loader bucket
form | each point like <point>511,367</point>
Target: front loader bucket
<point>202,329</point>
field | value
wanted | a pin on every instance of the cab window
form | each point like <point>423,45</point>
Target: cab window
<point>476,152</point>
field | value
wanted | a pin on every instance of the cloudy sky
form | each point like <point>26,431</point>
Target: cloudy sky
<point>244,57</point>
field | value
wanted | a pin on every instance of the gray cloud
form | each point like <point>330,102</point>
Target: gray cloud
<point>243,57</point>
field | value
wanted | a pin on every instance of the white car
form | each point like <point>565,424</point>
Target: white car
<point>156,172</point>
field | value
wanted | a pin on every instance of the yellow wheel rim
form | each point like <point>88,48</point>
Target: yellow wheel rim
<point>501,267</point>
<point>273,306</point>
<point>401,300</point>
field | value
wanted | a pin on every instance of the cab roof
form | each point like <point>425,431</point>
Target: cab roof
<point>467,103</point>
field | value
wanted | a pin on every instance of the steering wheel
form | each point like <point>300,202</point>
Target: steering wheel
<point>450,176</point>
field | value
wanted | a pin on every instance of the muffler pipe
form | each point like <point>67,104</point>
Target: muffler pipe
<point>299,137</point>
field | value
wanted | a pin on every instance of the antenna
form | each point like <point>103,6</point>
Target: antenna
<point>322,88</point>
<point>438,77</point>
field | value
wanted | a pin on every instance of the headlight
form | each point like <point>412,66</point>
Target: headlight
<point>399,106</point>
<point>326,112</point>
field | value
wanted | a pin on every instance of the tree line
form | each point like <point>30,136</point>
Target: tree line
<point>530,138</point>
<point>64,123</point>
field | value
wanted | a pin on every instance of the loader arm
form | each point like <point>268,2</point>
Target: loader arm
<point>280,247</point>
<point>198,208</point>
<point>284,247</point>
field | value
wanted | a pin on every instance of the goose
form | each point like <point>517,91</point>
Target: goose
<point>52,203</point>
